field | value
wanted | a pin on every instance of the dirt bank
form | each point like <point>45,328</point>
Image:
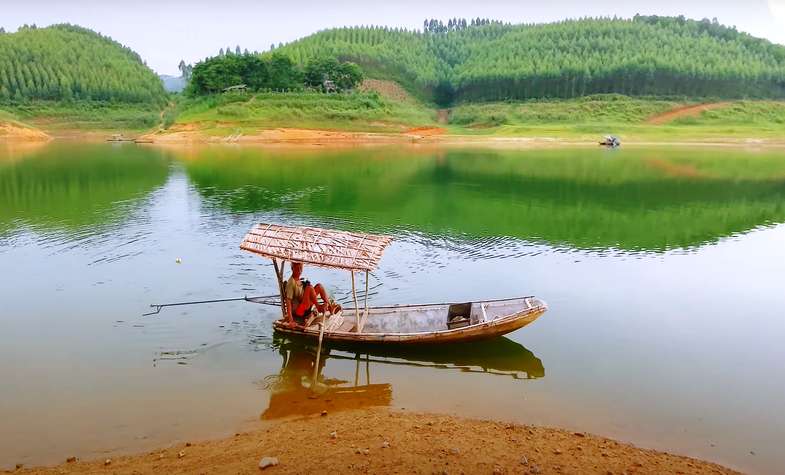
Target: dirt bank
<point>379,441</point>
<point>12,131</point>
<point>189,134</point>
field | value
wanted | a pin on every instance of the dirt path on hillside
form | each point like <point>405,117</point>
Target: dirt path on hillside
<point>686,111</point>
<point>380,441</point>
<point>443,116</point>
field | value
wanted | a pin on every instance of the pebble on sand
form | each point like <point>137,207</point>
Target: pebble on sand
<point>108,462</point>
<point>524,460</point>
<point>333,435</point>
<point>181,455</point>
<point>385,445</point>
<point>324,413</point>
<point>455,451</point>
<point>71,459</point>
<point>268,462</point>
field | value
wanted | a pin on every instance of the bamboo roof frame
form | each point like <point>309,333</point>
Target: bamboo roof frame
<point>317,246</point>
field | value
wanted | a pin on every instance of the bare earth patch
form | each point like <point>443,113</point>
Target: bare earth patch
<point>11,131</point>
<point>390,90</point>
<point>380,441</point>
<point>426,131</point>
<point>686,111</point>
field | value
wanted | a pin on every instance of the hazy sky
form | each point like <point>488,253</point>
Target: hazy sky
<point>164,31</point>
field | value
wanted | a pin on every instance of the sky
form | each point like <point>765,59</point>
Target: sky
<point>165,31</point>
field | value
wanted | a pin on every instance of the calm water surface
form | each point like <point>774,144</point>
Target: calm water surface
<point>663,269</point>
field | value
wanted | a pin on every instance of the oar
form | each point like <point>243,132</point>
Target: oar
<point>260,299</point>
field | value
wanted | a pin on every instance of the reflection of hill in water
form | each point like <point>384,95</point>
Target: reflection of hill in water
<point>290,390</point>
<point>67,186</point>
<point>631,200</point>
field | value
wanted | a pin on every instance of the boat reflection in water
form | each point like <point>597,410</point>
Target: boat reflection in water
<point>293,392</point>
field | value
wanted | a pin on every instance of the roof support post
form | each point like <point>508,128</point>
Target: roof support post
<point>365,305</point>
<point>279,280</point>
<point>356,307</point>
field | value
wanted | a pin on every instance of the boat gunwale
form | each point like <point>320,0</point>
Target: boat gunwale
<point>413,305</point>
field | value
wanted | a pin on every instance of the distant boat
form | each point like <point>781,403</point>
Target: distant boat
<point>119,138</point>
<point>391,325</point>
<point>611,141</point>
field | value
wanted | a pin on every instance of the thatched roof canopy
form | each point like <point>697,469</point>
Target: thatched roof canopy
<point>316,246</point>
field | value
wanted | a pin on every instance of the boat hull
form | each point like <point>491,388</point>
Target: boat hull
<point>480,331</point>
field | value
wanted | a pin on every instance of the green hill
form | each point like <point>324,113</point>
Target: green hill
<point>486,61</point>
<point>70,63</point>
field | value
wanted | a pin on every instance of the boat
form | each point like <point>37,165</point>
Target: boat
<point>396,325</point>
<point>119,138</point>
<point>611,141</point>
<point>430,323</point>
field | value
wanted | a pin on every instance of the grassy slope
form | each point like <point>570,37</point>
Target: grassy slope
<point>587,117</point>
<point>584,119</point>
<point>354,112</point>
<point>87,116</point>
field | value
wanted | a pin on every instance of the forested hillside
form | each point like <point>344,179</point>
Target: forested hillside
<point>484,60</point>
<point>65,63</point>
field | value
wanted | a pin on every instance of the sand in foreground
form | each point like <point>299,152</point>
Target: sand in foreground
<point>380,441</point>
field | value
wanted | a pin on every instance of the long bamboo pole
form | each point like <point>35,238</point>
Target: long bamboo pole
<point>356,307</point>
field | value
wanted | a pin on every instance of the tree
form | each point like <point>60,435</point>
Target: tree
<point>50,64</point>
<point>344,76</point>
<point>185,70</point>
<point>444,94</point>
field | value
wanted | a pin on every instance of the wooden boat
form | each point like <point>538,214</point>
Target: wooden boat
<point>427,324</point>
<point>391,325</point>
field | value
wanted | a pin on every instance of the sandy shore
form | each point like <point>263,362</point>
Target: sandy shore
<point>185,135</point>
<point>191,135</point>
<point>383,441</point>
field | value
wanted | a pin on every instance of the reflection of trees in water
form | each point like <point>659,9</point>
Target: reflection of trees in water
<point>291,390</point>
<point>67,187</point>
<point>632,200</point>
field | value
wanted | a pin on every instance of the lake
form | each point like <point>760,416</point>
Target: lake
<point>663,268</point>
